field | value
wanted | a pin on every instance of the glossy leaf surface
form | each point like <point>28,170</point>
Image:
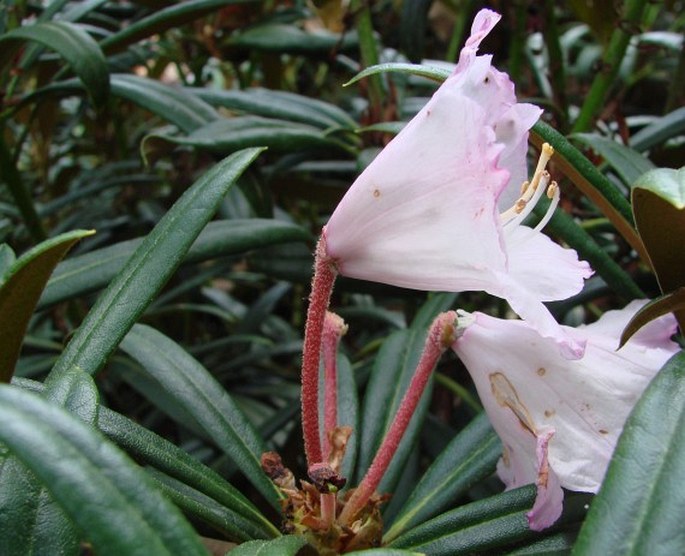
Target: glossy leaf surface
<point>103,492</point>
<point>21,286</point>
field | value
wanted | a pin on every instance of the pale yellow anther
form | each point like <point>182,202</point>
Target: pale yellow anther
<point>552,189</point>
<point>529,190</point>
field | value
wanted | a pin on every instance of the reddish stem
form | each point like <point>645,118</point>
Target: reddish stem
<point>319,299</point>
<point>440,336</point>
<point>333,329</point>
<point>328,507</point>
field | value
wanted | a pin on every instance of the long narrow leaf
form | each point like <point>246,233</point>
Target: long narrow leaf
<point>150,267</point>
<point>470,457</point>
<point>73,44</point>
<point>155,451</point>
<point>107,495</point>
<point>196,391</point>
<point>172,104</point>
<point>161,20</point>
<point>92,271</point>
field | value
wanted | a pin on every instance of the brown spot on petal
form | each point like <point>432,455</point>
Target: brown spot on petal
<point>549,413</point>
<point>506,396</point>
<point>603,431</point>
<point>376,193</point>
<point>506,459</point>
<point>541,371</point>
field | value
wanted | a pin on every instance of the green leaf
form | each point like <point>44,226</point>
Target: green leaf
<point>230,134</point>
<point>666,183</point>
<point>392,372</point>
<point>475,526</point>
<point>35,517</point>
<point>627,162</point>
<point>172,104</point>
<point>348,412</point>
<point>152,450</point>
<point>150,266</point>
<point>282,38</point>
<point>591,182</point>
<point>558,545</point>
<point>659,131</point>
<point>7,258</point>
<point>659,208</point>
<point>155,451</point>
<point>673,302</point>
<point>384,552</point>
<point>470,457</point>
<point>20,288</point>
<point>203,508</point>
<point>640,505</point>
<point>76,392</point>
<point>290,545</point>
<point>89,272</point>
<point>162,20</point>
<point>198,392</point>
<point>280,105</point>
<point>28,515</point>
<point>73,44</point>
<point>108,496</point>
<point>433,73</point>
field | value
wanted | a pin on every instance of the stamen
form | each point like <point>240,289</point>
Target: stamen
<point>530,191</point>
<point>554,194</point>
<point>520,216</point>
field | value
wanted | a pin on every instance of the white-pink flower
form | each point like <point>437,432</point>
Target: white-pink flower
<point>559,420</point>
<point>425,214</point>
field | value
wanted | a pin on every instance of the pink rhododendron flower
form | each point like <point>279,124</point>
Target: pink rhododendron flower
<point>425,214</point>
<point>559,420</point>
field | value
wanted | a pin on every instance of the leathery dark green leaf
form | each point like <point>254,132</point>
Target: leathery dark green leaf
<point>73,44</point>
<point>659,208</point>
<point>150,266</point>
<point>152,450</point>
<point>20,288</point>
<point>28,512</point>
<point>454,532</point>
<point>89,272</point>
<point>468,458</point>
<point>161,20</point>
<point>291,545</point>
<point>639,508</point>
<point>196,390</point>
<point>107,495</point>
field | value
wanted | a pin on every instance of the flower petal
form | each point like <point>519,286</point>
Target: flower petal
<point>527,387</point>
<point>656,334</point>
<point>549,501</point>
<point>546,269</point>
<point>422,215</point>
